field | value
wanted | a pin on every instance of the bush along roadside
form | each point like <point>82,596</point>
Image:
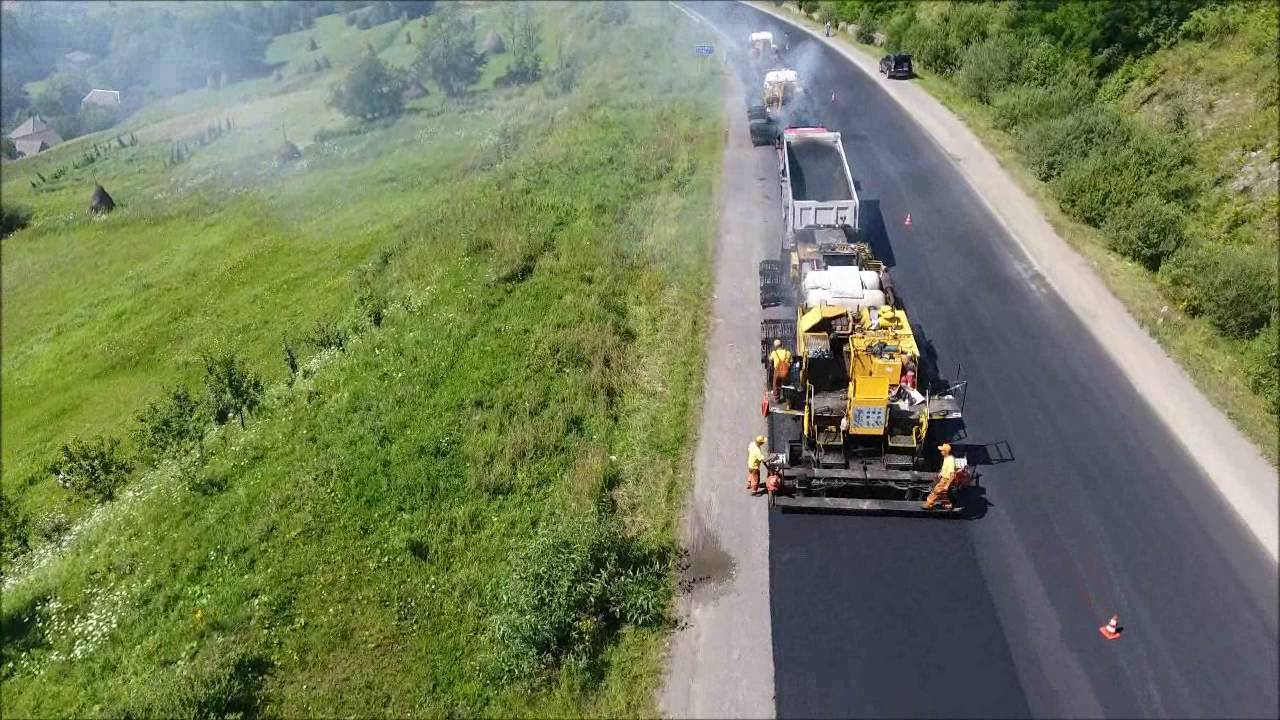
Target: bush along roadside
<point>1070,84</point>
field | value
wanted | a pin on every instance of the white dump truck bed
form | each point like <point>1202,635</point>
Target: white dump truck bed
<point>817,187</point>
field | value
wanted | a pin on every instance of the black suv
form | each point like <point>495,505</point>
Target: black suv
<point>897,65</point>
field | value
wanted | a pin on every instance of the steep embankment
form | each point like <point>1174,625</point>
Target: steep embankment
<point>463,501</point>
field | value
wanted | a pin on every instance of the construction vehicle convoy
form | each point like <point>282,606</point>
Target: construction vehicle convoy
<point>859,425</point>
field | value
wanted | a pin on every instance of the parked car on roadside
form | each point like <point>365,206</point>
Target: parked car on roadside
<point>897,65</point>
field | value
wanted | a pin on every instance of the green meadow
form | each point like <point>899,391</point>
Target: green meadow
<point>464,501</point>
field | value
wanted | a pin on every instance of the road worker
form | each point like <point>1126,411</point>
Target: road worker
<point>755,461</point>
<point>909,374</point>
<point>780,361</point>
<point>945,477</point>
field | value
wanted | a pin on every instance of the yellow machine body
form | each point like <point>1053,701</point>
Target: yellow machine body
<point>874,351</point>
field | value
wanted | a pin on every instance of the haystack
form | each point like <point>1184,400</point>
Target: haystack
<point>493,44</point>
<point>101,202</point>
<point>287,153</point>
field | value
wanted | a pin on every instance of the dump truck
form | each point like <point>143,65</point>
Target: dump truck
<point>858,419</point>
<point>817,187</point>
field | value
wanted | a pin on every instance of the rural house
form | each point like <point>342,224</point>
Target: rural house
<point>33,136</point>
<point>109,99</point>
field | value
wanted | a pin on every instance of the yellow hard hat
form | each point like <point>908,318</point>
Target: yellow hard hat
<point>945,448</point>
<point>777,343</point>
<point>760,439</point>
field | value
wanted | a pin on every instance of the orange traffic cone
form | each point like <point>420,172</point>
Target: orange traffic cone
<point>908,221</point>
<point>1112,629</point>
<point>764,404</point>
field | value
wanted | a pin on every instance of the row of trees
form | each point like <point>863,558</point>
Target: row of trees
<point>1050,73</point>
<point>448,58</point>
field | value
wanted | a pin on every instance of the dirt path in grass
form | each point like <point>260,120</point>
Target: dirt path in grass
<point>721,662</point>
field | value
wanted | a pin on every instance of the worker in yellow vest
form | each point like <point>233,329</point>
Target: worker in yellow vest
<point>946,475</point>
<point>780,361</point>
<point>755,460</point>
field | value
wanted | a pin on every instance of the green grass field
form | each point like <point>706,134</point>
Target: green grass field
<point>363,545</point>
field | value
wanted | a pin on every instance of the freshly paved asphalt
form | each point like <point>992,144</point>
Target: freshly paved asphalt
<point>1096,509</point>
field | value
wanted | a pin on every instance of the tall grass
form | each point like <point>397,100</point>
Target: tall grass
<point>375,537</point>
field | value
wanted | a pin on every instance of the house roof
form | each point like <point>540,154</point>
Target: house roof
<point>28,147</point>
<point>31,125</point>
<point>108,98</point>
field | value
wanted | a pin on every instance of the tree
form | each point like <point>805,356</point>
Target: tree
<point>232,388</point>
<point>371,90</point>
<point>526,62</point>
<point>61,95</point>
<point>93,468</point>
<point>448,56</point>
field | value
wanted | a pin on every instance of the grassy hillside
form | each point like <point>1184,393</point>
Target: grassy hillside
<point>464,502</point>
<point>1148,133</point>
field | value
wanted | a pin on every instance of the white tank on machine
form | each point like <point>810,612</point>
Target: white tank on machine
<point>848,287</point>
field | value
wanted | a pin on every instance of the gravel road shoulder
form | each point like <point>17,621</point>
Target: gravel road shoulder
<point>721,658</point>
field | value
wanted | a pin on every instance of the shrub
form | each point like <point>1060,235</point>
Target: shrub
<point>1147,230</point>
<point>1054,143</point>
<point>929,43</point>
<point>572,586</point>
<point>1019,107</point>
<point>1111,177</point>
<point>328,335</point>
<point>91,468</point>
<point>991,65</point>
<point>1233,286</point>
<point>15,530</point>
<point>13,218</point>
<point>373,89</point>
<point>1262,364</point>
<point>172,422</point>
<point>230,387</point>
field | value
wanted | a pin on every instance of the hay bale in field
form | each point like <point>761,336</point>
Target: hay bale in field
<point>101,202</point>
<point>493,44</point>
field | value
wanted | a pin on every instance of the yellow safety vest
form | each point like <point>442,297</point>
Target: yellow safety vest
<point>948,467</point>
<point>780,357</point>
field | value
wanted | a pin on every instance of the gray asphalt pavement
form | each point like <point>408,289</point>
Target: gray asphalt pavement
<point>1094,507</point>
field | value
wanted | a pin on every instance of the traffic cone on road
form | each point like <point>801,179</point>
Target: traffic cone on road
<point>1112,629</point>
<point>764,404</point>
<point>908,220</point>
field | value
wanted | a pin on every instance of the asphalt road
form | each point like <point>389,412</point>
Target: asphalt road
<point>1094,507</point>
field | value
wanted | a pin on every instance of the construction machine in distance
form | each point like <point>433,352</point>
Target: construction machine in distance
<point>859,431</point>
<point>783,104</point>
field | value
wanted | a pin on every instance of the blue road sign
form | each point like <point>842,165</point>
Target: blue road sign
<point>704,49</point>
